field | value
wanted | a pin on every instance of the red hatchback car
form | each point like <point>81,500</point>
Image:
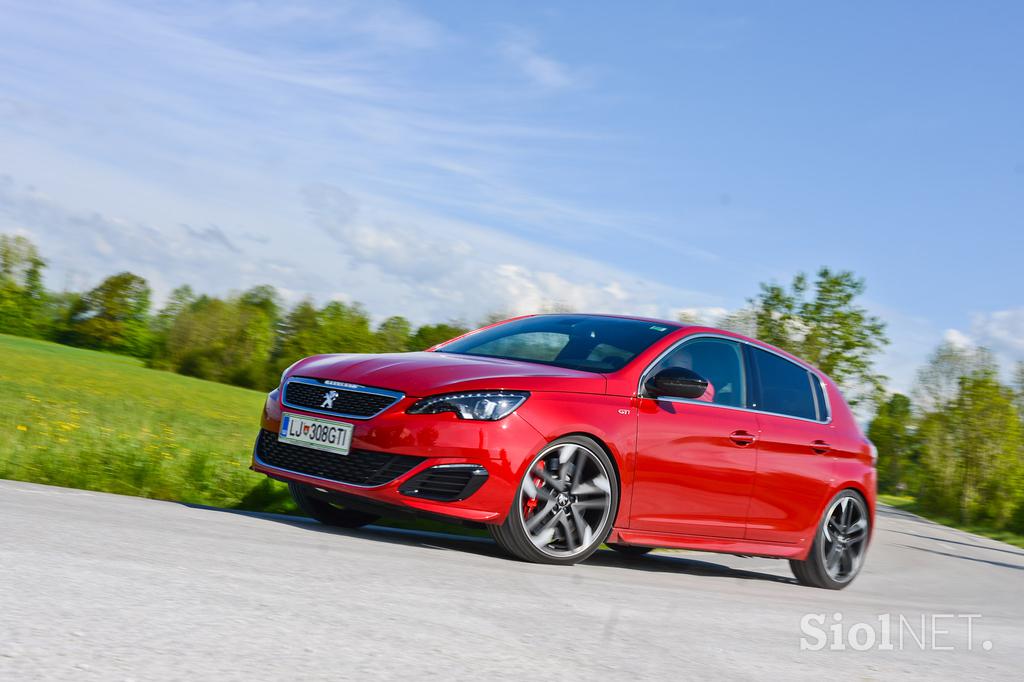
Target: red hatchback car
<point>563,432</point>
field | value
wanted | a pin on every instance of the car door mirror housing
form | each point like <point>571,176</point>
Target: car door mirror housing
<point>676,382</point>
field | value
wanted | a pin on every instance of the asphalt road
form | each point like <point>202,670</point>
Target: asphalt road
<point>96,586</point>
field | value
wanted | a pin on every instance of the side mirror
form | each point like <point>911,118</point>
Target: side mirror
<point>676,382</point>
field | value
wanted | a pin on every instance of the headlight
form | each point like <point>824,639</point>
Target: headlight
<point>486,406</point>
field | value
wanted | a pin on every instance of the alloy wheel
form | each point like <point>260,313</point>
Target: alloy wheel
<point>565,499</point>
<point>844,536</point>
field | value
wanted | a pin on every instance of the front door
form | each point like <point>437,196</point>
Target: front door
<point>696,459</point>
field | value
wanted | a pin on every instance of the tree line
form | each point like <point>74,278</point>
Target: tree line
<point>956,443</point>
<point>246,339</point>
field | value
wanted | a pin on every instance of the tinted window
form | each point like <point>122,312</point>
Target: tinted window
<point>785,386</point>
<point>588,342</point>
<point>717,360</point>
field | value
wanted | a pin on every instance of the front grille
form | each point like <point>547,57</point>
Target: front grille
<point>362,403</point>
<point>446,483</point>
<point>358,467</point>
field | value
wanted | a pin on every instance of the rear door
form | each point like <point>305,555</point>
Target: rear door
<point>794,461</point>
<point>696,458</point>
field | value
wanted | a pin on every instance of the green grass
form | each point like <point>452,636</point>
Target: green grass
<point>910,504</point>
<point>98,421</point>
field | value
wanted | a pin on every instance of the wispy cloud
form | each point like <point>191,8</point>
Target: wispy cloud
<point>521,50</point>
<point>237,143</point>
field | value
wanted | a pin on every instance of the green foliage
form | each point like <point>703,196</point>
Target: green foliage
<point>966,441</point>
<point>393,335</point>
<point>22,297</point>
<point>114,316</point>
<point>825,327</point>
<point>219,340</point>
<point>892,432</point>
<point>430,335</point>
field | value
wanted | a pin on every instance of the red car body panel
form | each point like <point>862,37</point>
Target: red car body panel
<point>685,478</point>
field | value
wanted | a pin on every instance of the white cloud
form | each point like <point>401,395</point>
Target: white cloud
<point>521,51</point>
<point>1002,331</point>
<point>237,144</point>
<point>957,339</point>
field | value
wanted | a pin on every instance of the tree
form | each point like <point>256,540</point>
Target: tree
<point>971,439</point>
<point>892,432</point>
<point>1018,382</point>
<point>179,302</point>
<point>429,335</point>
<point>114,316</point>
<point>742,321</point>
<point>300,336</point>
<point>222,340</point>
<point>938,382</point>
<point>826,327</point>
<point>22,296</point>
<point>393,335</point>
<point>346,329</point>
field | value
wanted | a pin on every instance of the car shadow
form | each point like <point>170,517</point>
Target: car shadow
<point>657,562</point>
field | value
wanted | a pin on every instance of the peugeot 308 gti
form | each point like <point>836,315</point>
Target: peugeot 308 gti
<point>563,432</point>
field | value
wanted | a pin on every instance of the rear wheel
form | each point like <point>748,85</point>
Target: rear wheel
<point>565,504</point>
<point>840,543</point>
<point>325,512</point>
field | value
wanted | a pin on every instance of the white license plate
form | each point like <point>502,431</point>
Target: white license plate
<point>316,433</point>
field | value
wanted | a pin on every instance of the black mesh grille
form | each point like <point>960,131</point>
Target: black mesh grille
<point>351,403</point>
<point>445,483</point>
<point>358,467</point>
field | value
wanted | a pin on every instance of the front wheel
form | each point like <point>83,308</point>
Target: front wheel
<point>840,543</point>
<point>565,504</point>
<point>325,512</point>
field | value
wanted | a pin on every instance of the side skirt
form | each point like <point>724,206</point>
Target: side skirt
<point>643,538</point>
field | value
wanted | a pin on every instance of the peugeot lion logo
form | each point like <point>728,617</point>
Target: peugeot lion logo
<point>329,399</point>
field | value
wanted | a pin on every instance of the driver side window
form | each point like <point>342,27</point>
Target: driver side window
<point>719,361</point>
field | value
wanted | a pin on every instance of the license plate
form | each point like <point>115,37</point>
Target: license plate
<point>320,434</point>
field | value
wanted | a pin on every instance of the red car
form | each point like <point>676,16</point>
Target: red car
<point>563,432</point>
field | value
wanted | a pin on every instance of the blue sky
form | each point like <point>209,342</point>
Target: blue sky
<point>449,159</point>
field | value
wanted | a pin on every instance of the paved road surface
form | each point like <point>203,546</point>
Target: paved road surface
<point>96,586</point>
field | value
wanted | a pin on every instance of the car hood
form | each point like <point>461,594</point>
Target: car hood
<point>423,374</point>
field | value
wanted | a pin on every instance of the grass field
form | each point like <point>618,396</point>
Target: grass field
<point>99,421</point>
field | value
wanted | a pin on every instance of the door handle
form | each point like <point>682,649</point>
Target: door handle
<point>742,438</point>
<point>820,447</point>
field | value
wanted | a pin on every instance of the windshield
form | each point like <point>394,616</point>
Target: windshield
<point>589,343</point>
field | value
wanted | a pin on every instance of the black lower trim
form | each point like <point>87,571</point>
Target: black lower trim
<point>446,482</point>
<point>359,467</point>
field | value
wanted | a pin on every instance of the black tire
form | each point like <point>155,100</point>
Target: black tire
<point>631,551</point>
<point>580,499</point>
<point>327,513</point>
<point>838,551</point>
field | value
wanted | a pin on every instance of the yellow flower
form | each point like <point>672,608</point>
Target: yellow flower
<point>22,427</point>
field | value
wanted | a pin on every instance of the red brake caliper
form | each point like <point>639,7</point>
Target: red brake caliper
<point>531,504</point>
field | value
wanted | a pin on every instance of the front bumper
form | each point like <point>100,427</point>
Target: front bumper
<point>503,448</point>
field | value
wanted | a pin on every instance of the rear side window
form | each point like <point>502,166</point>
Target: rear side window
<point>785,386</point>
